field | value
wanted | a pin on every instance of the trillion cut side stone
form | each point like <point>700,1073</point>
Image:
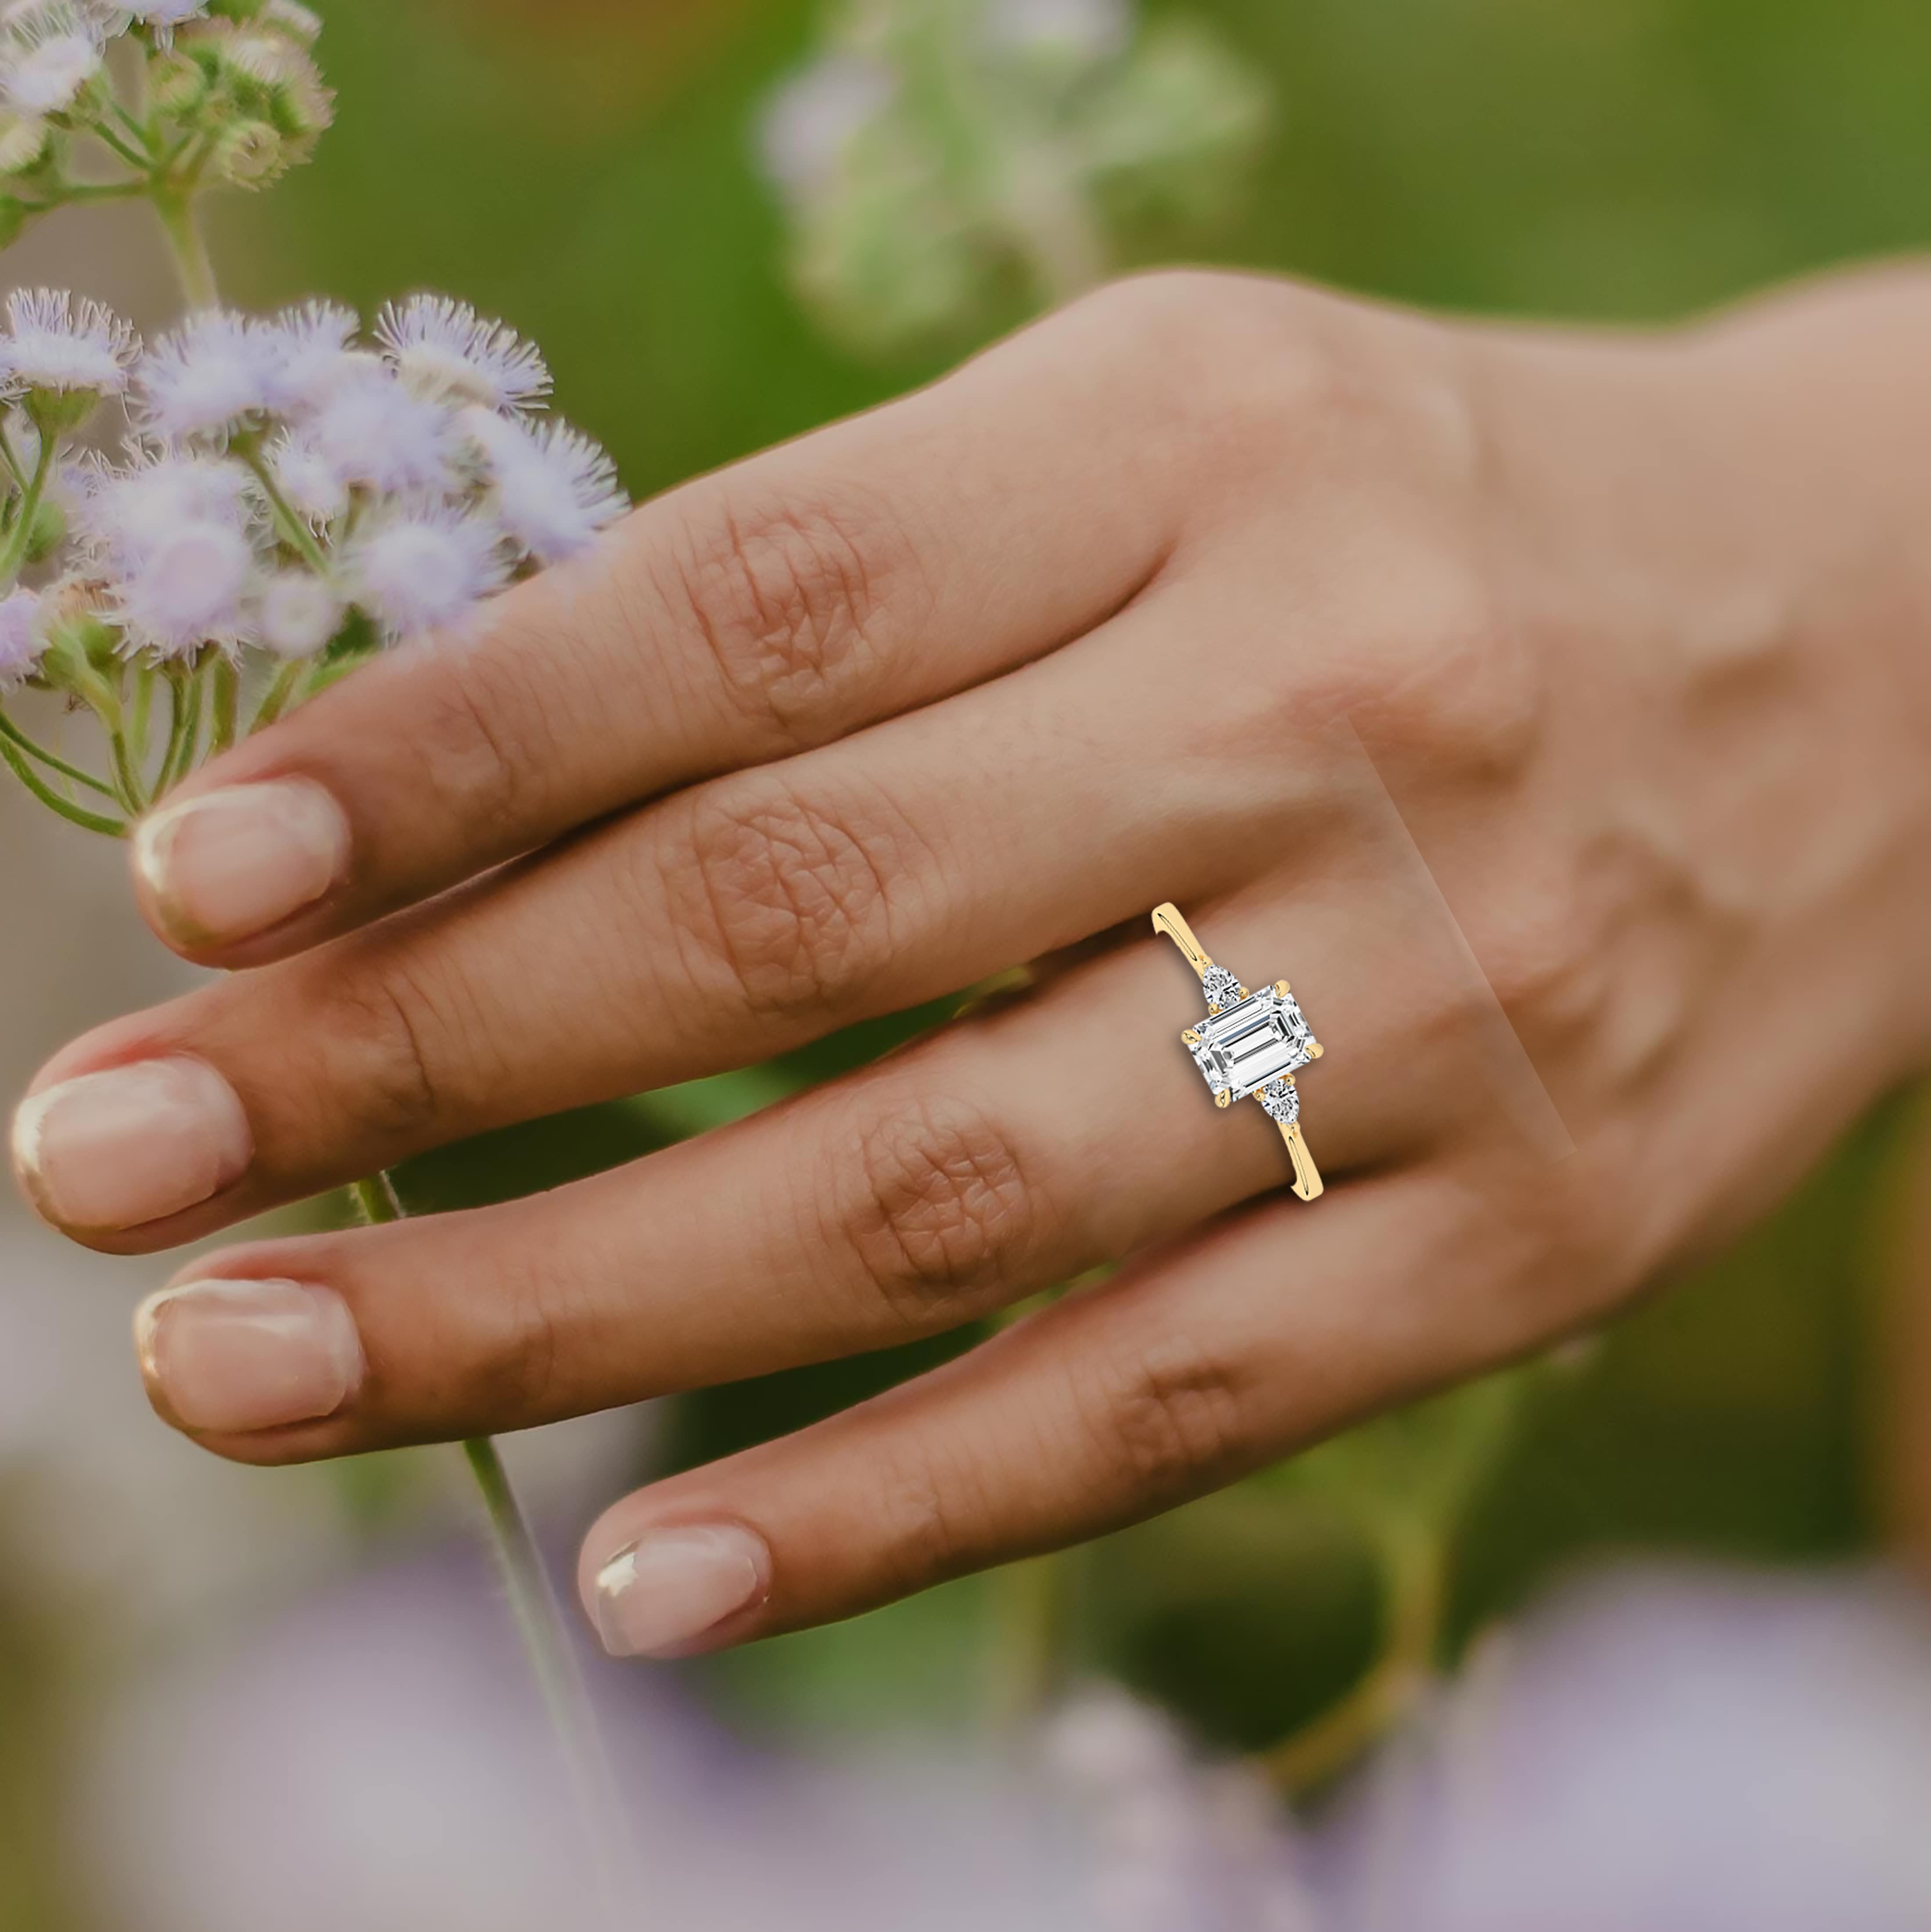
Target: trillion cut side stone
<point>1250,1046</point>
<point>1282,1099</point>
<point>1221,988</point>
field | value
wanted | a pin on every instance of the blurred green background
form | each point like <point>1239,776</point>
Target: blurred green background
<point>587,172</point>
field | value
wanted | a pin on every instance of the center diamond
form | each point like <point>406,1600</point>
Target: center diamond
<point>1262,1039</point>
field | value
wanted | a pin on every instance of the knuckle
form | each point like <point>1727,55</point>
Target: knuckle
<point>1173,1416</point>
<point>936,1515</point>
<point>942,1214</point>
<point>786,593</point>
<point>462,743</point>
<point>380,1027</point>
<point>511,1352</point>
<point>789,895</point>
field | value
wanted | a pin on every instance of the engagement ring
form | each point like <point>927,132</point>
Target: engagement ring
<point>1250,1043</point>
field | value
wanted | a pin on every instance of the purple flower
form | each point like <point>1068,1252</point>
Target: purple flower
<point>1662,1753</point>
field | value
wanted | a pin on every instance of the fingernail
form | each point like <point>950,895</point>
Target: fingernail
<point>663,1594</point>
<point>230,864</point>
<point>232,1357</point>
<point>120,1149</point>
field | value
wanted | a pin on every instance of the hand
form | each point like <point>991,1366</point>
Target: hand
<point>1451,672</point>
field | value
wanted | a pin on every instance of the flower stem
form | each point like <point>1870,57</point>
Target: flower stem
<point>1413,1567</point>
<point>276,699</point>
<point>20,539</point>
<point>8,729</point>
<point>224,685</point>
<point>180,221</point>
<point>75,814</point>
<point>294,531</point>
<point>540,1620</point>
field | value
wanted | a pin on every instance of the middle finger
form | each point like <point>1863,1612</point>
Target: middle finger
<point>710,931</point>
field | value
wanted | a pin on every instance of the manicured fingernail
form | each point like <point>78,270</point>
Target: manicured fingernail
<point>232,1357</point>
<point>665,1594</point>
<point>120,1149</point>
<point>230,864</point>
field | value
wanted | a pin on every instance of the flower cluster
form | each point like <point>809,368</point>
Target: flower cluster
<point>286,492</point>
<point>932,158</point>
<point>285,485</point>
<point>224,92</point>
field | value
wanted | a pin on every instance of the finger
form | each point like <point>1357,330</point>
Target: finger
<point>730,922</point>
<point>869,569</point>
<point>1121,1402</point>
<point>1003,1156</point>
<point>998,1157</point>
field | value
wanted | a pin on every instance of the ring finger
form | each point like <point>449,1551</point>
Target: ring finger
<point>1001,1156</point>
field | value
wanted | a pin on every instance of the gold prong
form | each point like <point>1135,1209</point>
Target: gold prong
<point>1315,1049</point>
<point>1240,993</point>
<point>1190,1038</point>
<point>1281,987</point>
<point>1223,1096</point>
<point>1308,1182</point>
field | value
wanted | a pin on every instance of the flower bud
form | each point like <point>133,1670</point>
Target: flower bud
<point>58,412</point>
<point>250,155</point>
<point>24,139</point>
<point>81,644</point>
<point>176,84</point>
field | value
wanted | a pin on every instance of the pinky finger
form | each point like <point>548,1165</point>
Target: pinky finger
<point>1192,1369</point>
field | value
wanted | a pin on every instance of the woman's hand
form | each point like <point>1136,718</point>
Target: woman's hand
<point>1453,673</point>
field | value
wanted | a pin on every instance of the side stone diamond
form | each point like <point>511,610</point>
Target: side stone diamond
<point>1220,987</point>
<point>1282,1099</point>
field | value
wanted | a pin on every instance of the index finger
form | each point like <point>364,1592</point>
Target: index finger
<point>868,569</point>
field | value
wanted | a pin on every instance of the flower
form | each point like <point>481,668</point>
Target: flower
<point>1085,31</point>
<point>191,586</point>
<point>423,567</point>
<point>125,515</point>
<point>164,16</point>
<point>208,379</point>
<point>373,430</point>
<point>443,350</point>
<point>21,643</point>
<point>1175,1845</point>
<point>52,345</point>
<point>309,351</point>
<point>816,115</point>
<point>1688,1749</point>
<point>312,485</point>
<point>554,488</point>
<point>299,614</point>
<point>49,55</point>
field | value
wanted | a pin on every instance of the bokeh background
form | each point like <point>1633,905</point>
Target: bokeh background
<point>231,1698</point>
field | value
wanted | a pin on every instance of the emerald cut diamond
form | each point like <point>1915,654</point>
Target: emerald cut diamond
<point>1249,1046</point>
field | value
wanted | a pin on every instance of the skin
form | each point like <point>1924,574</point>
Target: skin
<point>1456,673</point>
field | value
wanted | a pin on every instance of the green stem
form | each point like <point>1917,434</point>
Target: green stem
<point>8,729</point>
<point>19,540</point>
<point>133,157</point>
<point>192,262</point>
<point>1414,1571</point>
<point>224,685</point>
<point>293,530</point>
<point>75,814</point>
<point>275,700</point>
<point>184,735</point>
<point>540,1620</point>
<point>119,190</point>
<point>9,457</point>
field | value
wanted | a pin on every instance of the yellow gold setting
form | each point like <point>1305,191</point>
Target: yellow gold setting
<point>1251,1045</point>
